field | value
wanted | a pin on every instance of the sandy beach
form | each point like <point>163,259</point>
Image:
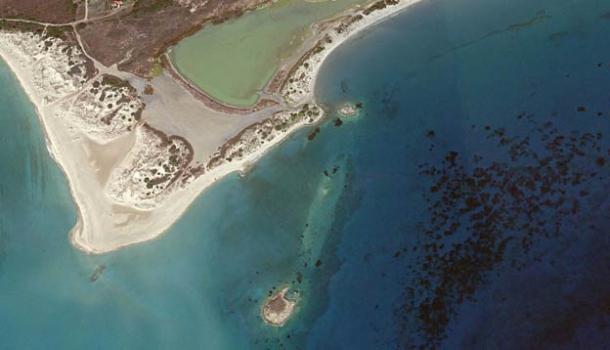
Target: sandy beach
<point>110,219</point>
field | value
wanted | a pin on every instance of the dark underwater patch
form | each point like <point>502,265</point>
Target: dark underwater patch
<point>488,214</point>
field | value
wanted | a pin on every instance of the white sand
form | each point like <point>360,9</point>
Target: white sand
<point>305,77</point>
<point>104,225</point>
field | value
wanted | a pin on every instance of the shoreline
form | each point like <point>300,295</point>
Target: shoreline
<point>27,88</point>
<point>206,98</point>
<point>351,29</point>
<point>90,232</point>
<point>285,69</point>
<point>277,310</point>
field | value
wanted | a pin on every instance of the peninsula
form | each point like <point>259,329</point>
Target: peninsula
<point>137,142</point>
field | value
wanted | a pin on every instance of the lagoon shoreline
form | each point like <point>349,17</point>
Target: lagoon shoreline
<point>103,223</point>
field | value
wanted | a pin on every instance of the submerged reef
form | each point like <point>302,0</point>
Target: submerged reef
<point>489,214</point>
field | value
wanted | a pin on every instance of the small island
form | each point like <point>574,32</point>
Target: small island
<point>349,109</point>
<point>277,309</point>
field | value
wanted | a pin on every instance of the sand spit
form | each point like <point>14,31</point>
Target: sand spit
<point>133,163</point>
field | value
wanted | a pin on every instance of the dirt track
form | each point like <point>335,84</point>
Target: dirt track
<point>133,36</point>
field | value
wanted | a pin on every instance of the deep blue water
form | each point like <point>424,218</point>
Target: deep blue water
<point>476,78</point>
<point>500,244</point>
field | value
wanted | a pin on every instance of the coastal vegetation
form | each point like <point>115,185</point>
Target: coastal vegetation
<point>14,26</point>
<point>380,233</point>
<point>63,32</point>
<point>109,108</point>
<point>144,7</point>
<point>379,5</point>
<point>144,28</point>
<point>135,171</point>
<point>154,164</point>
<point>53,11</point>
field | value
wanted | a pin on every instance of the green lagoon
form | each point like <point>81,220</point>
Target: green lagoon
<point>232,61</point>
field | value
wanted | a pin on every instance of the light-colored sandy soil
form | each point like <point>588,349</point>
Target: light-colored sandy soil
<point>135,162</point>
<point>278,309</point>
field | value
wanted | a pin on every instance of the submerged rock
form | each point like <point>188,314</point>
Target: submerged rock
<point>97,273</point>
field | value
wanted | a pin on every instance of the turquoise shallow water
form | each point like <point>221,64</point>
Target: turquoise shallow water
<point>199,286</point>
<point>444,76</point>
